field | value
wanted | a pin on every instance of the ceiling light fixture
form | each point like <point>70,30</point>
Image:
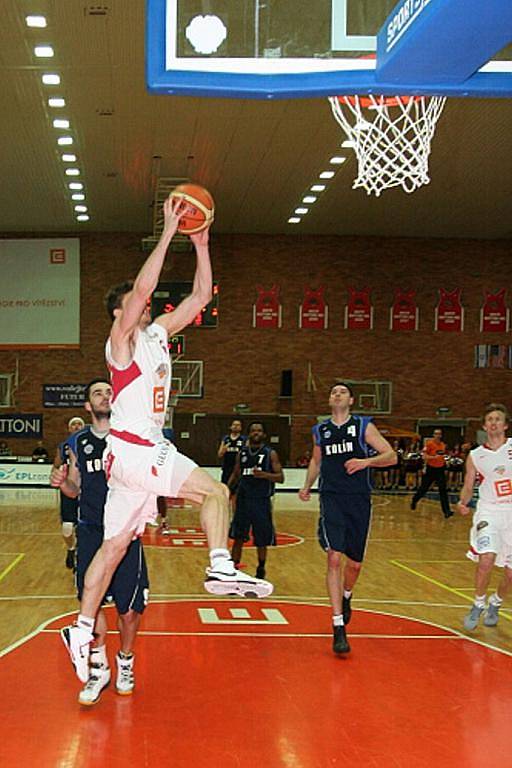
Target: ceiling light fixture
<point>76,185</point>
<point>50,78</point>
<point>294,220</point>
<point>318,187</point>
<point>82,217</point>
<point>78,196</point>
<point>60,123</point>
<point>69,158</point>
<point>80,208</point>
<point>326,175</point>
<point>63,141</point>
<point>309,199</point>
<point>301,210</point>
<point>35,21</point>
<point>56,103</point>
<point>43,51</point>
<point>72,172</point>
<point>337,160</point>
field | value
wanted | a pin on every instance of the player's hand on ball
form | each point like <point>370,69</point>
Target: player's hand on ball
<point>201,238</point>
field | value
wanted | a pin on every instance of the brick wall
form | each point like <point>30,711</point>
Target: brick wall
<point>243,364</point>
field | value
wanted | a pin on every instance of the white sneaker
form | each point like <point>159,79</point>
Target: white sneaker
<point>125,681</point>
<point>99,678</point>
<point>236,583</point>
<point>77,641</point>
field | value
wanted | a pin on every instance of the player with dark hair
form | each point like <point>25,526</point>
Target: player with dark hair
<point>141,464</point>
<point>341,457</point>
<point>229,448</point>
<point>491,532</point>
<point>84,479</point>
<point>256,471</point>
<point>434,456</point>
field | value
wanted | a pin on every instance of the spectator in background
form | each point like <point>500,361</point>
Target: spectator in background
<point>40,454</point>
<point>413,464</point>
<point>4,449</point>
<point>434,454</point>
<point>396,470</point>
<point>455,467</point>
<point>303,460</point>
<point>229,448</point>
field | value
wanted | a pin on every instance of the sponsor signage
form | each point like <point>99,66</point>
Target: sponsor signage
<point>25,474</point>
<point>63,395</point>
<point>21,425</point>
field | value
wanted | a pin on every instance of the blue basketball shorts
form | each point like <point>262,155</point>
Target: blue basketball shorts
<point>344,523</point>
<point>129,588</point>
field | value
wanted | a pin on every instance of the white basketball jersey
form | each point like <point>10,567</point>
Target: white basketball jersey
<point>141,389</point>
<point>495,471</point>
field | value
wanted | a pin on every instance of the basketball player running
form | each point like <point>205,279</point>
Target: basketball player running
<point>141,464</point>
<point>257,469</point>
<point>85,479</point>
<point>340,456</point>
<point>68,506</point>
<point>491,533</point>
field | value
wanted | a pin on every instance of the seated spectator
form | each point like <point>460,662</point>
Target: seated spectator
<point>40,454</point>
<point>4,449</point>
<point>304,459</point>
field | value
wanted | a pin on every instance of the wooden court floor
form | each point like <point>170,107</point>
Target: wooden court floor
<point>244,683</point>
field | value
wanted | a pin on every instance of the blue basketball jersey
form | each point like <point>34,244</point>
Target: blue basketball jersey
<point>234,445</point>
<point>88,449</point>
<point>338,444</point>
<point>250,458</point>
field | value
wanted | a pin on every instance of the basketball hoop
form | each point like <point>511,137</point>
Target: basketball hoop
<point>392,138</point>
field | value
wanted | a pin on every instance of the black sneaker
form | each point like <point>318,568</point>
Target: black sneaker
<point>413,504</point>
<point>346,609</point>
<point>260,572</point>
<point>340,642</point>
<point>70,559</point>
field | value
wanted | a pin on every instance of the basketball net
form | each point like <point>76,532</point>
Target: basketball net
<point>392,138</point>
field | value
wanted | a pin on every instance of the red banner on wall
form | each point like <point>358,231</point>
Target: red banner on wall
<point>494,315</point>
<point>313,312</point>
<point>404,314</point>
<point>359,310</point>
<point>266,312</point>
<point>449,314</point>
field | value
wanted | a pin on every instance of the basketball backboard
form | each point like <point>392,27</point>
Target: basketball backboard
<point>299,48</point>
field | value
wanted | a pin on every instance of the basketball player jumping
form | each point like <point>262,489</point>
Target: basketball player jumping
<point>340,456</point>
<point>491,533</point>
<point>141,464</point>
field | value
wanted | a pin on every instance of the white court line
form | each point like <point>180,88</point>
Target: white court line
<point>312,635</point>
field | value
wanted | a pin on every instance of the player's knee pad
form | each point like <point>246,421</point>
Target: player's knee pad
<point>67,530</point>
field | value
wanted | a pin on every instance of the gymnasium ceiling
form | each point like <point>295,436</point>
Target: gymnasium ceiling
<point>258,158</point>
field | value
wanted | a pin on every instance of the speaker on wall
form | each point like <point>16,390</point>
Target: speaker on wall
<point>286,383</point>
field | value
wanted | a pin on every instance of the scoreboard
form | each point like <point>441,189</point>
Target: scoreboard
<point>167,296</point>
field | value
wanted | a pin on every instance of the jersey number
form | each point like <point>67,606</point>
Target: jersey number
<point>158,399</point>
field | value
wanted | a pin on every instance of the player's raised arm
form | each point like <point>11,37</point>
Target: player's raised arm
<point>135,302</point>
<point>201,294</point>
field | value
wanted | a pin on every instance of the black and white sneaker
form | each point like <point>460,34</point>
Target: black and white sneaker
<point>70,559</point>
<point>77,642</point>
<point>340,643</point>
<point>99,679</point>
<point>236,583</point>
<point>125,680</point>
<point>346,609</point>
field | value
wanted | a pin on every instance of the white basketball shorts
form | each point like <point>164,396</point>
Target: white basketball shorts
<point>136,475</point>
<point>492,532</point>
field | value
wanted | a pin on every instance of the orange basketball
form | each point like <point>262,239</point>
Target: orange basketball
<point>199,209</point>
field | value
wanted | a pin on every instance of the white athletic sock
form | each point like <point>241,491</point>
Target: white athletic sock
<point>347,593</point>
<point>480,601</point>
<point>496,600</point>
<point>85,622</point>
<point>337,621</point>
<point>219,554</point>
